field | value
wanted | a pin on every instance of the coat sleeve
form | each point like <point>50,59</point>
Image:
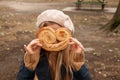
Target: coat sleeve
<point>25,74</point>
<point>82,74</point>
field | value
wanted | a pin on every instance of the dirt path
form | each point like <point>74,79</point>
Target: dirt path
<point>34,7</point>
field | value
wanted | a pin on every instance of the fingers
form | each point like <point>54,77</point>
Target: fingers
<point>35,42</point>
<point>38,44</point>
<point>74,41</point>
<point>33,46</point>
<point>26,49</point>
<point>36,47</point>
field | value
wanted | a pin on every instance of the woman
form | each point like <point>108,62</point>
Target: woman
<point>66,64</point>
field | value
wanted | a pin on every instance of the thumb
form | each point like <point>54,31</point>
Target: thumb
<point>25,47</point>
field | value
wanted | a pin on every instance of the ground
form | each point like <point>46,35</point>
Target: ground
<point>17,27</point>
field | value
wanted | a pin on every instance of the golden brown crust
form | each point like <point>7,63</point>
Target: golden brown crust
<point>52,40</point>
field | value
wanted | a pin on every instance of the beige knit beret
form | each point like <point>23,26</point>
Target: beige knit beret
<point>56,16</point>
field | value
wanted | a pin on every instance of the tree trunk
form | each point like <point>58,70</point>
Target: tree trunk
<point>114,23</point>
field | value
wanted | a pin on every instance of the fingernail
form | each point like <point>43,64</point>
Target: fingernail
<point>24,45</point>
<point>39,44</point>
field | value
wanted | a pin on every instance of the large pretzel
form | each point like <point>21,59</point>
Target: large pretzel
<point>54,40</point>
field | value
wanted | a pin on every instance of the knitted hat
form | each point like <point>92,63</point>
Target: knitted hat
<point>55,16</point>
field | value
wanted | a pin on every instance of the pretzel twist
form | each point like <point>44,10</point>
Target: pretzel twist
<point>52,40</point>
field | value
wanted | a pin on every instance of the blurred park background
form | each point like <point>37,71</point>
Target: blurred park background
<point>102,45</point>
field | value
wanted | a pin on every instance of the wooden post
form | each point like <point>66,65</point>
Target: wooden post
<point>103,5</point>
<point>78,4</point>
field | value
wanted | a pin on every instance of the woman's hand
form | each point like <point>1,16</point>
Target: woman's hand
<point>77,53</point>
<point>32,54</point>
<point>75,45</point>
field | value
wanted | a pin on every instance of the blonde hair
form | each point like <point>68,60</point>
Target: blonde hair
<point>67,57</point>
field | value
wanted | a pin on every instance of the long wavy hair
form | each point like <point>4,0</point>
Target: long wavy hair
<point>67,57</point>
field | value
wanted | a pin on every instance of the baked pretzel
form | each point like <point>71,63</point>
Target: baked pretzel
<point>52,40</point>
